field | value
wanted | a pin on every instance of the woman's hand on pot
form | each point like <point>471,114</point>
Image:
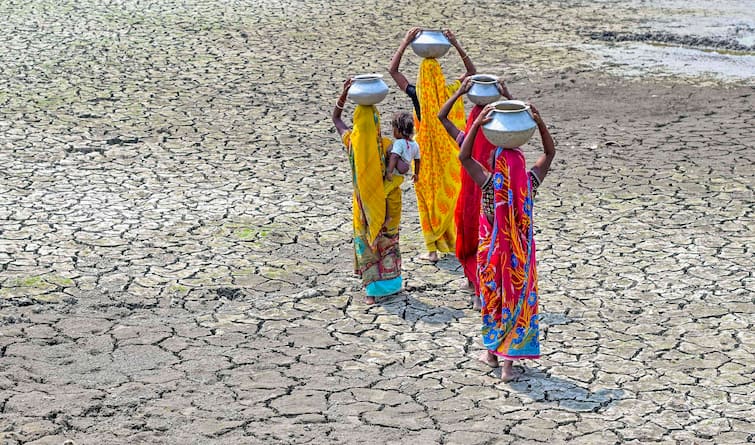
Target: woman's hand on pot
<point>347,84</point>
<point>450,36</point>
<point>536,114</point>
<point>466,84</point>
<point>412,34</point>
<point>483,118</point>
<point>503,89</point>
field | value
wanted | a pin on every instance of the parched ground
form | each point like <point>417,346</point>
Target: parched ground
<point>175,222</point>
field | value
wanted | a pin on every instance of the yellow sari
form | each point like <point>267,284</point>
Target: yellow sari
<point>439,178</point>
<point>377,257</point>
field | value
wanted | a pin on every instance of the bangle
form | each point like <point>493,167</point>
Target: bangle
<point>466,56</point>
<point>340,107</point>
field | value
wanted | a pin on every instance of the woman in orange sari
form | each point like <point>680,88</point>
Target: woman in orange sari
<point>376,205</point>
<point>506,261</point>
<point>439,180</point>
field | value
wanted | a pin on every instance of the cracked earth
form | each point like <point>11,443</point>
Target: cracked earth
<point>175,227</point>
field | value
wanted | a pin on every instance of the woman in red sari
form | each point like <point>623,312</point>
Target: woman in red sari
<point>506,261</point>
<point>468,205</point>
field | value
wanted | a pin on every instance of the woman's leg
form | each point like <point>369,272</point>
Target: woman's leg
<point>489,359</point>
<point>432,253</point>
<point>476,304</point>
<point>507,371</point>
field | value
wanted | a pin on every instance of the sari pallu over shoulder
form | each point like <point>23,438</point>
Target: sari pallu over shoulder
<point>507,264</point>
<point>377,256</point>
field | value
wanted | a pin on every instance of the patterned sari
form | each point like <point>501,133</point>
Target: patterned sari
<point>377,257</point>
<point>439,177</point>
<point>468,206</point>
<point>506,257</point>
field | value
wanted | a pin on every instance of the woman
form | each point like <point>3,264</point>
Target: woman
<point>377,258</point>
<point>506,260</point>
<point>438,185</point>
<point>468,206</point>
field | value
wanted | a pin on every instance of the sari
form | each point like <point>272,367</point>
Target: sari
<point>438,185</point>
<point>467,211</point>
<point>377,257</point>
<point>507,269</point>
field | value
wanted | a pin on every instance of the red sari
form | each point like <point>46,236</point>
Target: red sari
<point>467,211</point>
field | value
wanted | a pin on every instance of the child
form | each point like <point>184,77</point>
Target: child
<point>404,149</point>
<point>506,261</point>
<point>403,152</point>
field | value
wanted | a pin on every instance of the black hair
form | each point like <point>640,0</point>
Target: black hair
<point>404,123</point>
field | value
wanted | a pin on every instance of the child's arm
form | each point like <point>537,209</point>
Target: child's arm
<point>415,177</point>
<point>543,164</point>
<point>341,127</point>
<point>392,160</point>
<point>478,173</point>
<point>446,108</point>
<point>398,77</point>
<point>471,70</point>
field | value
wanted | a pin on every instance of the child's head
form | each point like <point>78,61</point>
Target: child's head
<point>403,125</point>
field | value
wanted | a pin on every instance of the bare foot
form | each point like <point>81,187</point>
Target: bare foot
<point>489,359</point>
<point>430,256</point>
<point>476,305</point>
<point>467,285</point>
<point>507,371</point>
<point>369,301</point>
<point>387,221</point>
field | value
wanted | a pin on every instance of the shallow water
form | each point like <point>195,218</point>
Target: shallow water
<point>679,38</point>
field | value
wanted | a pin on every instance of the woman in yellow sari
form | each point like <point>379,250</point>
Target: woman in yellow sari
<point>439,180</point>
<point>376,205</point>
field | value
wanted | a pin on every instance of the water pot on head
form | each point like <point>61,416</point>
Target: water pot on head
<point>367,89</point>
<point>511,125</point>
<point>484,89</point>
<point>431,44</point>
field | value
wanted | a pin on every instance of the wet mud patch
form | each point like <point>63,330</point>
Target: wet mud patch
<point>229,293</point>
<point>666,38</point>
<point>635,59</point>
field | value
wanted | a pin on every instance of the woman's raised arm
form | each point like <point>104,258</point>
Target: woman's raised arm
<point>398,77</point>
<point>543,163</point>
<point>341,126</point>
<point>471,70</point>
<point>446,108</point>
<point>478,173</point>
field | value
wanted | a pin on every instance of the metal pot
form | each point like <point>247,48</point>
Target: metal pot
<point>431,44</point>
<point>367,89</point>
<point>512,125</point>
<point>484,89</point>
